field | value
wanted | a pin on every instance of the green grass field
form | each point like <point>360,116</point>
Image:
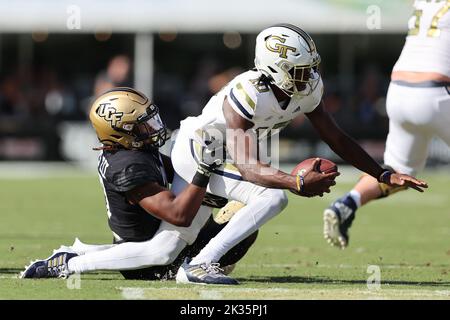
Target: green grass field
<point>407,236</point>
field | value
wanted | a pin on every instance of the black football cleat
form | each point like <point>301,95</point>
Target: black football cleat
<point>54,266</point>
<point>337,220</point>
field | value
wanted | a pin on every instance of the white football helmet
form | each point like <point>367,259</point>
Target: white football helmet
<point>288,56</point>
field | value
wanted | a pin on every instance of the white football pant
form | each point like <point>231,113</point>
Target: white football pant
<point>261,204</point>
<point>416,115</point>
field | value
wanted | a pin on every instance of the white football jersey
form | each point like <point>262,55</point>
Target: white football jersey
<point>427,46</point>
<point>256,102</point>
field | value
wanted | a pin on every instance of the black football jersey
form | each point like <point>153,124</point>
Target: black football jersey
<point>121,171</point>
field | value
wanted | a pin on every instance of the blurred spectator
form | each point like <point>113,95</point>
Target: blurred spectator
<point>117,74</point>
<point>369,95</point>
<point>198,90</point>
<point>218,81</point>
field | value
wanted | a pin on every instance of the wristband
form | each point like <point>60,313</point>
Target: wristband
<point>384,176</point>
<point>200,179</point>
<point>300,183</point>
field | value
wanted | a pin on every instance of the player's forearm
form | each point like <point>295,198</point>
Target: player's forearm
<point>266,176</point>
<point>351,152</point>
<point>179,209</point>
<point>185,206</point>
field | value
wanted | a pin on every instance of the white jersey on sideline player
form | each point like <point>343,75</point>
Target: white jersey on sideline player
<point>427,46</point>
<point>418,111</point>
<point>418,106</point>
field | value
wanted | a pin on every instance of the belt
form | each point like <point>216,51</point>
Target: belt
<point>423,84</point>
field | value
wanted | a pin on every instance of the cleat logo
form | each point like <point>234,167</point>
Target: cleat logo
<point>345,212</point>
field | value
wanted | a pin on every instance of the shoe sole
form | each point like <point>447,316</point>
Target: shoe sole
<point>181,278</point>
<point>331,231</point>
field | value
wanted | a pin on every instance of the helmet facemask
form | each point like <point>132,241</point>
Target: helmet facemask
<point>299,80</point>
<point>147,130</point>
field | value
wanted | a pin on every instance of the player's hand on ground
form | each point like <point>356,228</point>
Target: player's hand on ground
<point>403,180</point>
<point>316,183</point>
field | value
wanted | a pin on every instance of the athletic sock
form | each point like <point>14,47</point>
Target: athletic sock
<point>356,196</point>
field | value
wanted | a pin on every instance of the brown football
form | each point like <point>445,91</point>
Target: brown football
<point>326,166</point>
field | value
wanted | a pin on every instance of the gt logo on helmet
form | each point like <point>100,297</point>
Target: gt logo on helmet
<point>275,44</point>
<point>105,110</point>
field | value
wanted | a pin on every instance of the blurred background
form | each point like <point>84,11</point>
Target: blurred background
<point>57,55</point>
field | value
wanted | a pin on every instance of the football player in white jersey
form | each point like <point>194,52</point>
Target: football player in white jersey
<point>242,116</point>
<point>418,106</point>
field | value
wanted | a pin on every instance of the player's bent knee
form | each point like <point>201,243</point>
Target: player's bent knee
<point>277,199</point>
<point>280,200</point>
<point>284,201</point>
<point>165,259</point>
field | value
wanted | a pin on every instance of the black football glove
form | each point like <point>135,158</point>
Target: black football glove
<point>212,156</point>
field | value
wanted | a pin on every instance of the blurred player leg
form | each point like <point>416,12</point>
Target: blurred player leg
<point>411,126</point>
<point>443,106</point>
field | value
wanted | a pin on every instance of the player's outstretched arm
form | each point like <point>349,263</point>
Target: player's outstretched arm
<point>350,151</point>
<point>242,148</point>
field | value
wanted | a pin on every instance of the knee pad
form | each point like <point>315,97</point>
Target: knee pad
<point>228,211</point>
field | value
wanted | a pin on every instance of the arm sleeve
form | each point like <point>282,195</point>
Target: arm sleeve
<point>243,98</point>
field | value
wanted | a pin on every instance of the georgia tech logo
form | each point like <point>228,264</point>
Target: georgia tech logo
<point>105,110</point>
<point>275,44</point>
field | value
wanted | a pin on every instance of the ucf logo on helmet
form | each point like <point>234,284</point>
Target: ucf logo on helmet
<point>275,44</point>
<point>105,110</point>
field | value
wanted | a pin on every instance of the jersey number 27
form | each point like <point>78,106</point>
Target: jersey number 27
<point>433,31</point>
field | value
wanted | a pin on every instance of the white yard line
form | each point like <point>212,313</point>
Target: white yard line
<point>328,266</point>
<point>210,295</point>
<point>133,293</point>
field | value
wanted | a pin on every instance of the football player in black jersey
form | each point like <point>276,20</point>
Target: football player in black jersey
<point>135,178</point>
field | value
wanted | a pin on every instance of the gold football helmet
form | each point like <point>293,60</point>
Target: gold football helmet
<point>126,117</point>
